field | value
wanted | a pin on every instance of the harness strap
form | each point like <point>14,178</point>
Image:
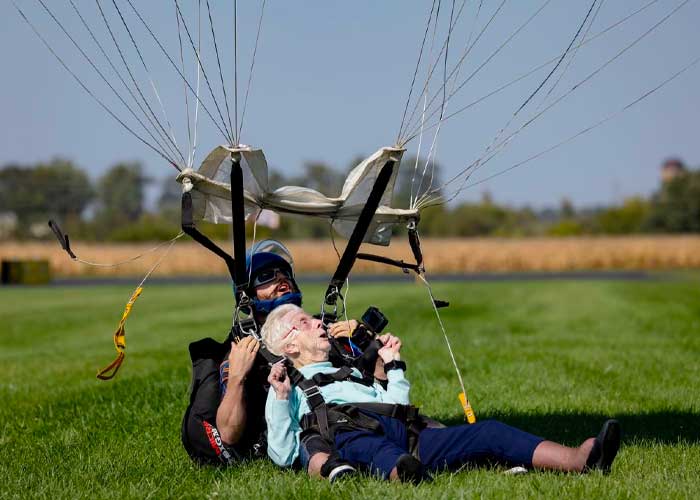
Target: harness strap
<point>344,373</point>
<point>189,228</point>
<point>359,232</point>
<point>238,226</point>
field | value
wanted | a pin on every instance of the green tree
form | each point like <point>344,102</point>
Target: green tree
<point>121,196</point>
<point>675,207</point>
<point>57,189</point>
<point>628,218</point>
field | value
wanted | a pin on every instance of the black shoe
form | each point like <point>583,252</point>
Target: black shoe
<point>605,447</point>
<point>335,468</point>
<point>410,470</point>
<point>341,471</point>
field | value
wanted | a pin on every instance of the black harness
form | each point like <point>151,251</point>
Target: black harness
<point>326,419</point>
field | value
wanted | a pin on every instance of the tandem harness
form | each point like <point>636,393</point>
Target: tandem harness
<point>326,419</point>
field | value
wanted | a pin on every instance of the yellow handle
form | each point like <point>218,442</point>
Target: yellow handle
<point>119,338</point>
<point>468,411</point>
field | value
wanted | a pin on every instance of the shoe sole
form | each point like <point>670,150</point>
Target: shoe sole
<point>610,444</point>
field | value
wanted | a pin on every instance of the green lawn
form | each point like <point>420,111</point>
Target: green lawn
<point>555,358</point>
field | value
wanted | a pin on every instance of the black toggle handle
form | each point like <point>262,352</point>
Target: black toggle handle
<point>62,238</point>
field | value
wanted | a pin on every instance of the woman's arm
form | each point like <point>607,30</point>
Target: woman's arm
<point>281,416</point>
<point>398,387</point>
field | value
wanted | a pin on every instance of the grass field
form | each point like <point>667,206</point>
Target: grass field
<point>555,358</point>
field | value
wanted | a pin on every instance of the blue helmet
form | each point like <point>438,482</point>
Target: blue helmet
<point>270,254</point>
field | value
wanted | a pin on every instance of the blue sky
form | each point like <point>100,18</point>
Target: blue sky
<point>331,80</point>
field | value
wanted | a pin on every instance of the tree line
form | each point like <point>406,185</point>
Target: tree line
<point>113,207</point>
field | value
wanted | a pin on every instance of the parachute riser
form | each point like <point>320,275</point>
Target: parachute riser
<point>358,234</point>
<point>238,225</point>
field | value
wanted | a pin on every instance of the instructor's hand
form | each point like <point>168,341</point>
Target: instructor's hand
<point>279,381</point>
<point>241,358</point>
<point>342,328</point>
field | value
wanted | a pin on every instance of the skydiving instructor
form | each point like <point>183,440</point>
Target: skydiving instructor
<point>243,381</point>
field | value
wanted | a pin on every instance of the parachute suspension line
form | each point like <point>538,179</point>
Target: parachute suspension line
<point>574,53</point>
<point>255,230</point>
<point>431,152</point>
<point>535,69</point>
<point>428,79</point>
<point>235,66</point>
<point>480,162</point>
<point>604,120</point>
<point>119,76</point>
<point>420,144</point>
<point>468,48</point>
<point>500,133</point>
<point>174,65</point>
<point>131,259</point>
<point>561,59</point>
<point>431,67</point>
<point>415,72</point>
<point>100,74</point>
<point>252,67</point>
<point>488,59</point>
<point>221,75</point>
<point>187,98</point>
<point>335,247</point>
<point>169,138</point>
<point>150,79</point>
<point>229,132</point>
<point>425,88</point>
<point>465,402</point>
<point>160,152</point>
<point>119,335</point>
<point>199,73</point>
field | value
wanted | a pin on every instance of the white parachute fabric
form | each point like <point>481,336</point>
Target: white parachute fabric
<point>212,192</point>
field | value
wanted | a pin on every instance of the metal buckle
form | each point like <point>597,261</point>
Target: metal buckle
<point>312,391</point>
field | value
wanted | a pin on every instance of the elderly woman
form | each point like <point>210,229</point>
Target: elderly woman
<point>383,447</point>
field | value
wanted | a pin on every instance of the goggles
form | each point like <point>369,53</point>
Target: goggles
<point>269,275</point>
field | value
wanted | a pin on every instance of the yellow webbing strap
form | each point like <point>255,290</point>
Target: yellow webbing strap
<point>110,370</point>
<point>467,407</point>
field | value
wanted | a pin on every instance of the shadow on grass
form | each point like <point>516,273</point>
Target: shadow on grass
<point>664,427</point>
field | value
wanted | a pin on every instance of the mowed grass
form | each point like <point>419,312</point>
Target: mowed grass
<point>554,358</point>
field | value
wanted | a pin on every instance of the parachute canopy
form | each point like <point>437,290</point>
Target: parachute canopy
<point>212,192</point>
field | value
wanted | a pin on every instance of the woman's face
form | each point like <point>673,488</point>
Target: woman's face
<point>310,336</point>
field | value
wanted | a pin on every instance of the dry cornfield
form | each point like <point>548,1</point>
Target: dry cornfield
<point>449,256</point>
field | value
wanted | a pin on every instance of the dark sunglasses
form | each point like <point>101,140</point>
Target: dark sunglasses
<point>268,275</point>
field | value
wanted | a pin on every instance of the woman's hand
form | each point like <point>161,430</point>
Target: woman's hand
<point>391,350</point>
<point>279,381</point>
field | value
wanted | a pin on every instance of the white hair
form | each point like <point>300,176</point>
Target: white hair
<point>276,326</point>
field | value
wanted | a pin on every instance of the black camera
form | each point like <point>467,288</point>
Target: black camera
<point>374,320</point>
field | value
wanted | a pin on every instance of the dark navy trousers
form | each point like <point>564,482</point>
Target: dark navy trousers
<point>439,448</point>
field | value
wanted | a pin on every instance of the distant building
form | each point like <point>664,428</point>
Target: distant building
<point>8,224</point>
<point>672,168</point>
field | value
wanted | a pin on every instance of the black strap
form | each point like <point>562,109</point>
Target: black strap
<point>404,266</point>
<point>238,224</point>
<point>62,238</point>
<point>189,228</point>
<point>341,375</point>
<point>358,233</point>
<point>414,242</point>
<point>394,365</point>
